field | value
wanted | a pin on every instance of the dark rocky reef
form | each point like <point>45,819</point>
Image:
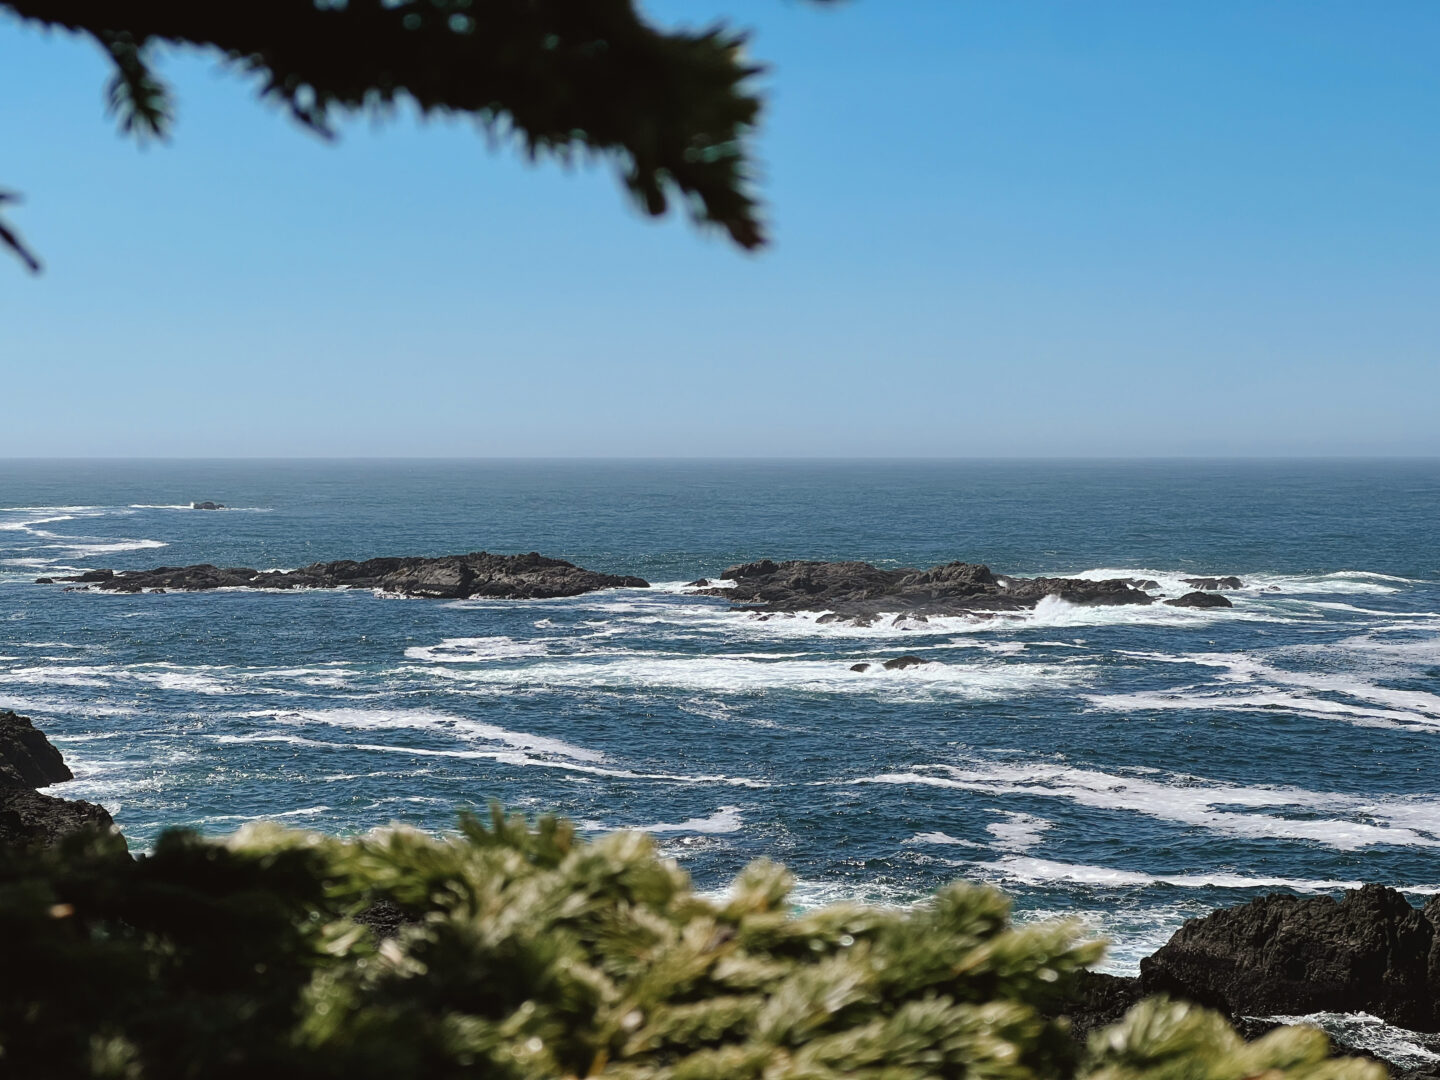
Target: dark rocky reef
<point>449,577</point>
<point>27,762</point>
<point>207,505</point>
<point>1201,600</point>
<point>858,591</point>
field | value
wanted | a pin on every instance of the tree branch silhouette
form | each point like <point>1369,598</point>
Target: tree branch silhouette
<point>673,109</point>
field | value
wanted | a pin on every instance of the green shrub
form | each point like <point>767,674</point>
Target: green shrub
<point>527,953</point>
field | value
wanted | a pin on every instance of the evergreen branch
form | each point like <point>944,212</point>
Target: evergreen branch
<point>11,239</point>
<point>134,95</point>
<point>675,110</point>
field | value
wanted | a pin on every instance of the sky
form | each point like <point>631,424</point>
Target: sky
<point>1000,229</point>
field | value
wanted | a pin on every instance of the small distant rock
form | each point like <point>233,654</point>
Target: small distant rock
<point>1214,582</point>
<point>899,619</point>
<point>699,583</point>
<point>1201,600</point>
<point>44,581</point>
<point>1146,584</point>
<point>900,663</point>
<point>859,667</point>
<point>207,505</point>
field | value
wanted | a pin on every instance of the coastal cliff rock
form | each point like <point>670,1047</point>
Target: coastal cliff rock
<point>1370,951</point>
<point>26,757</point>
<point>28,761</point>
<point>857,590</point>
<point>449,577</point>
<point>1201,600</point>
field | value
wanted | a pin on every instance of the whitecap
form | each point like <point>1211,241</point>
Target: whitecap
<point>943,839</point>
<point>724,820</point>
<point>1362,1031</point>
<point>469,650</point>
<point>1193,801</point>
<point>427,720</point>
<point>1018,832</point>
<point>1027,870</point>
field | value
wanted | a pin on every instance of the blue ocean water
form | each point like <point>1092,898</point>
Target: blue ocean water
<point>1129,766</point>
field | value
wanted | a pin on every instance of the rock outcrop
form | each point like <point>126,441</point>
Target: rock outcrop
<point>449,577</point>
<point>1370,951</point>
<point>1281,955</point>
<point>207,505</point>
<point>857,591</point>
<point>26,757</point>
<point>27,762</point>
<point>1213,582</point>
<point>1200,599</point>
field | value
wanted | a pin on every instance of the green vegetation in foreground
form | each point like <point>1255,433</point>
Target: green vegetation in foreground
<point>534,953</point>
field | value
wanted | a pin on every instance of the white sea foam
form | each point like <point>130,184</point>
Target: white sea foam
<point>724,820</point>
<point>1031,871</point>
<point>943,839</point>
<point>517,758</point>
<point>308,811</point>
<point>1248,683</point>
<point>1018,832</point>
<point>470,650</point>
<point>1402,822</point>
<point>722,675</point>
<point>1401,1046</point>
<point>428,720</point>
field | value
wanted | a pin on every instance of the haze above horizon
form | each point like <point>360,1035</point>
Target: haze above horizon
<point>1042,231</point>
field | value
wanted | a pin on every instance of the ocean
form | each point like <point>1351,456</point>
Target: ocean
<point>1130,767</point>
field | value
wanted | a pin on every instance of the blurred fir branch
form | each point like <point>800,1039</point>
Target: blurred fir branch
<point>526,953</point>
<point>674,109</point>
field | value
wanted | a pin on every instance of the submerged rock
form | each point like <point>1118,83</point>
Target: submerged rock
<point>857,590</point>
<point>900,663</point>
<point>1200,599</point>
<point>28,761</point>
<point>449,577</point>
<point>1213,582</point>
<point>207,505</point>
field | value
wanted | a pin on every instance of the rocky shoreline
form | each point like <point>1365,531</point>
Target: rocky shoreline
<point>859,593</point>
<point>1281,955</point>
<point>28,761</point>
<point>448,577</point>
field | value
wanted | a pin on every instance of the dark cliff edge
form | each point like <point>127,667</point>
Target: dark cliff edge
<point>859,592</point>
<point>478,575</point>
<point>1370,951</point>
<point>27,762</point>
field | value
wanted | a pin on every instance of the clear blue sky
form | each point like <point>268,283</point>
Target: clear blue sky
<point>1001,228</point>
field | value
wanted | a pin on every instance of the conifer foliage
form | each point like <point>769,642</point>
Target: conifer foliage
<point>526,953</point>
<point>673,108</point>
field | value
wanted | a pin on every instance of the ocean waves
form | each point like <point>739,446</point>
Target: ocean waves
<point>1128,765</point>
